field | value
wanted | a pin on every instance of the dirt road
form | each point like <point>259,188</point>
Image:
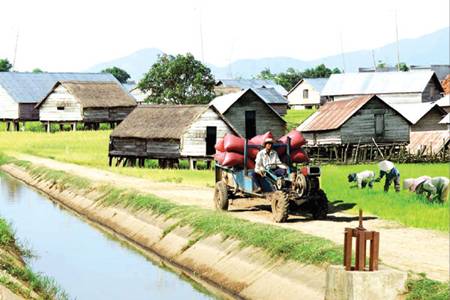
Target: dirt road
<point>403,248</point>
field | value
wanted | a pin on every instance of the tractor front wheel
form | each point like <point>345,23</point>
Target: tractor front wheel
<point>280,206</point>
<point>221,196</point>
<point>320,206</point>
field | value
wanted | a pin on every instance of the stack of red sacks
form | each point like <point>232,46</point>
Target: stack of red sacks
<point>230,149</point>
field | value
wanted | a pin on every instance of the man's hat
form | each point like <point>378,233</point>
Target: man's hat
<point>268,141</point>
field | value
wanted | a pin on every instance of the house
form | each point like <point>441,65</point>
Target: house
<point>87,102</point>
<point>168,133</point>
<point>392,87</point>
<point>446,84</point>
<point>444,103</point>
<point>356,121</point>
<point>226,86</point>
<point>441,70</point>
<point>21,91</point>
<point>136,92</point>
<point>306,94</point>
<point>274,99</point>
<point>249,113</point>
<point>427,134</point>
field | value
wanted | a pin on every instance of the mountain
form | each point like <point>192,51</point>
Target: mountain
<point>429,49</point>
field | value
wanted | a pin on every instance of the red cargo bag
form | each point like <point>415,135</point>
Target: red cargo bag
<point>220,146</point>
<point>219,157</point>
<point>297,139</point>
<point>233,143</point>
<point>299,156</point>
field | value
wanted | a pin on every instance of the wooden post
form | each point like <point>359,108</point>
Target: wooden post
<point>348,248</point>
<point>16,126</point>
<point>48,126</point>
<point>61,127</point>
<point>8,126</point>
<point>110,160</point>
<point>374,249</point>
<point>74,126</point>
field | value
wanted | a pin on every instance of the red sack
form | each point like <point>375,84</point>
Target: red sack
<point>233,143</point>
<point>299,156</point>
<point>297,139</point>
<point>281,149</point>
<point>219,157</point>
<point>233,159</point>
<point>220,146</point>
<point>259,139</point>
<point>250,164</point>
<point>252,152</point>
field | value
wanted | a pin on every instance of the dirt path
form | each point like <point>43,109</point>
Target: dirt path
<point>400,247</point>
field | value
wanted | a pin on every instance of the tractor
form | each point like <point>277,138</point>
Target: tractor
<point>298,190</point>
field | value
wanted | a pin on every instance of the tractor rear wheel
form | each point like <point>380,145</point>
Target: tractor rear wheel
<point>320,206</point>
<point>280,206</point>
<point>221,196</point>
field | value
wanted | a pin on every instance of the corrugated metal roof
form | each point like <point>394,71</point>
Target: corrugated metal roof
<point>33,87</point>
<point>377,83</point>
<point>445,120</point>
<point>244,84</point>
<point>317,83</point>
<point>271,96</point>
<point>333,115</point>
<point>444,101</point>
<point>414,112</point>
<point>435,139</point>
<point>223,103</point>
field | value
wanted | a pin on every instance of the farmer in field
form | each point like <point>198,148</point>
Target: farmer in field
<point>362,179</point>
<point>392,174</point>
<point>434,188</point>
<point>267,157</point>
<point>411,184</point>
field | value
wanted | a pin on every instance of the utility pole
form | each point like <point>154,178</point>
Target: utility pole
<point>201,36</point>
<point>342,53</point>
<point>374,61</point>
<point>15,50</point>
<point>396,37</point>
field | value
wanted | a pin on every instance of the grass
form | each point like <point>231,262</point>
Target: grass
<point>42,285</point>
<point>90,148</point>
<point>277,242</point>
<point>296,117</point>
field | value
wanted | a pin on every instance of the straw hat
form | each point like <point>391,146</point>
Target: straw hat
<point>408,183</point>
<point>268,141</point>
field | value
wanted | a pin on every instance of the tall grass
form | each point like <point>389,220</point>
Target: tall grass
<point>296,117</point>
<point>90,148</point>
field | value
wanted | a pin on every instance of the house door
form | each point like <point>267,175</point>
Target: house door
<point>250,124</point>
<point>211,137</point>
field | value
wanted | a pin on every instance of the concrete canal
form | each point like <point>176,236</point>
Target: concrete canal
<point>85,261</point>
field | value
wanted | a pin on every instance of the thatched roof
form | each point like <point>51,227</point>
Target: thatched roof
<point>96,94</point>
<point>161,121</point>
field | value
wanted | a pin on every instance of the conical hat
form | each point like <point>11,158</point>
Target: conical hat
<point>386,165</point>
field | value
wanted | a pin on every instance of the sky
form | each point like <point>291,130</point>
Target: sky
<point>73,35</point>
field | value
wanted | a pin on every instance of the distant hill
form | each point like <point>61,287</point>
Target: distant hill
<point>432,48</point>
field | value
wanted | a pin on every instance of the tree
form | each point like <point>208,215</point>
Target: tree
<point>320,71</point>
<point>289,78</point>
<point>266,74</point>
<point>402,67</point>
<point>5,65</point>
<point>179,79</point>
<point>37,70</point>
<point>119,73</point>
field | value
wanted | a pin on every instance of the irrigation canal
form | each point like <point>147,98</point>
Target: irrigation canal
<point>85,261</point>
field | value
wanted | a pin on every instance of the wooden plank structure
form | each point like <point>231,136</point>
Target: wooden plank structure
<point>362,236</point>
<point>168,133</point>
<point>85,102</point>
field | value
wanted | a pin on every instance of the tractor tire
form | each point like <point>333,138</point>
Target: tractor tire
<point>320,207</point>
<point>221,196</point>
<point>280,206</point>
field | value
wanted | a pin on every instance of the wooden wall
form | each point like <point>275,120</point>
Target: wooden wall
<point>431,92</point>
<point>323,137</point>
<point>60,97</point>
<point>361,126</point>
<point>28,112</point>
<point>193,141</point>
<point>266,119</point>
<point>430,121</point>
<point>148,148</point>
<point>281,109</point>
<point>9,109</point>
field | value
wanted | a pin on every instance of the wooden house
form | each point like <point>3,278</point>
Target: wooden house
<point>249,113</point>
<point>444,103</point>
<point>306,94</point>
<point>168,133</point>
<point>20,92</point>
<point>86,102</point>
<point>428,135</point>
<point>227,86</point>
<point>392,87</point>
<point>274,99</point>
<point>355,121</point>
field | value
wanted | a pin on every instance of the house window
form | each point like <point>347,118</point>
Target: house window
<point>379,124</point>
<point>305,94</point>
<point>60,107</point>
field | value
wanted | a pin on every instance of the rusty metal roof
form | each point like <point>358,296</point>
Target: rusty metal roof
<point>432,140</point>
<point>334,114</point>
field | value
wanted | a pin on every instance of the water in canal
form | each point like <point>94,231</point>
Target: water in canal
<point>86,262</point>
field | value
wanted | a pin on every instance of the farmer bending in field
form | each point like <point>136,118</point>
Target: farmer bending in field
<point>362,178</point>
<point>411,184</point>
<point>435,188</point>
<point>392,174</point>
<point>267,157</point>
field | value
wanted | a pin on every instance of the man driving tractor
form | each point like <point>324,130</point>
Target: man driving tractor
<point>267,158</point>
